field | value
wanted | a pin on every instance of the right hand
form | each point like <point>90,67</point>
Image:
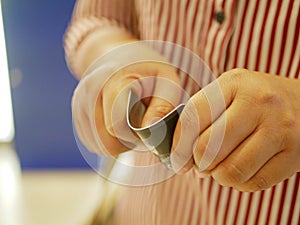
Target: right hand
<point>157,80</point>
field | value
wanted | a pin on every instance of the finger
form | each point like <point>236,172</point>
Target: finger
<point>247,158</point>
<point>80,119</point>
<point>83,101</point>
<point>86,108</point>
<point>278,168</point>
<point>199,113</point>
<point>115,102</point>
<point>184,138</point>
<point>224,135</point>
<point>82,131</point>
<point>99,142</point>
<point>83,137</point>
<point>110,144</point>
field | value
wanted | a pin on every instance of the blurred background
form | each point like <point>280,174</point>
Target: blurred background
<point>41,83</point>
<point>43,176</point>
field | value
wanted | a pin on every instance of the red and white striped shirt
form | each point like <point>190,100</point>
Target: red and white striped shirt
<point>256,35</point>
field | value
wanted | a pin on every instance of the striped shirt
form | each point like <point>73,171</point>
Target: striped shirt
<point>256,35</point>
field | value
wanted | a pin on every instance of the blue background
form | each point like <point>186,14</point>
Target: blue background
<point>34,33</point>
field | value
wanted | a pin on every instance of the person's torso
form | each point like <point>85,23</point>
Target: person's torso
<point>257,35</point>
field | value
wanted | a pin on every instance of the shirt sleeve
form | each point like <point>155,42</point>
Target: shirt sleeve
<point>91,15</point>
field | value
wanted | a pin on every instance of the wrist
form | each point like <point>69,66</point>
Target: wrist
<point>124,55</point>
<point>96,44</point>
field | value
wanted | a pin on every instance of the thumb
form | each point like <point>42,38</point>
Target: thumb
<point>157,109</point>
<point>166,96</point>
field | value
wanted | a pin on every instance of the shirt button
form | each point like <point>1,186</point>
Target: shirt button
<point>219,16</point>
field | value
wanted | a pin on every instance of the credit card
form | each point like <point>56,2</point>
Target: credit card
<point>157,136</point>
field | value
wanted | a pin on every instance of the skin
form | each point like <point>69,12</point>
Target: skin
<point>261,144</point>
<point>94,46</point>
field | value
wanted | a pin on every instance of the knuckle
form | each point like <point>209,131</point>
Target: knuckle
<point>271,98</point>
<point>234,78</point>
<point>234,74</point>
<point>288,120</point>
<point>239,71</point>
<point>277,141</point>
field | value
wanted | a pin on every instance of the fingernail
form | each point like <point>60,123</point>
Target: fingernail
<point>200,174</point>
<point>203,165</point>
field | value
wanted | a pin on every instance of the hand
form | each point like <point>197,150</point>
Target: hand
<point>257,133</point>
<point>99,105</point>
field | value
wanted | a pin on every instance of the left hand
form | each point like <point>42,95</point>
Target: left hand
<point>260,145</point>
